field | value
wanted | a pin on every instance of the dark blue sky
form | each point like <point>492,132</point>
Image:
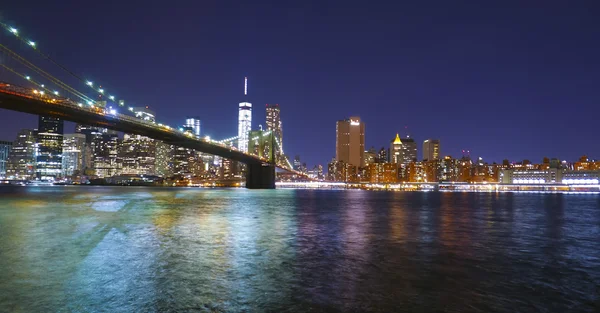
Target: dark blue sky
<point>504,79</point>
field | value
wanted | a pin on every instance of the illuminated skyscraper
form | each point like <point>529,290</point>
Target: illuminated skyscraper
<point>73,153</point>
<point>5,147</point>
<point>350,142</point>
<point>21,160</point>
<point>244,120</point>
<point>396,150</point>
<point>137,153</point>
<point>194,124</point>
<point>50,145</point>
<point>431,149</point>
<point>409,151</point>
<point>274,124</point>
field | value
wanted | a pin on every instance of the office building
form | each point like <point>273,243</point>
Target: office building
<point>49,148</point>
<point>137,153</point>
<point>395,153</point>
<point>105,149</point>
<point>73,154</point>
<point>371,156</point>
<point>274,124</point>
<point>5,147</point>
<point>163,159</point>
<point>350,142</point>
<point>431,149</point>
<point>194,124</point>
<point>21,160</point>
<point>244,120</point>
<point>382,156</point>
<point>409,151</point>
<point>382,173</point>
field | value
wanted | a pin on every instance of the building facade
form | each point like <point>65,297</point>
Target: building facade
<point>395,154</point>
<point>5,147</point>
<point>22,157</point>
<point>274,124</point>
<point>49,145</point>
<point>244,121</point>
<point>409,151</point>
<point>73,154</point>
<point>431,149</point>
<point>350,141</point>
<point>194,124</point>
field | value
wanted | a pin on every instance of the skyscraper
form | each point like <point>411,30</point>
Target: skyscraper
<point>137,153</point>
<point>21,160</point>
<point>409,150</point>
<point>73,154</point>
<point>396,150</point>
<point>431,149</point>
<point>194,124</point>
<point>244,120</point>
<point>50,144</point>
<point>350,141</point>
<point>274,124</point>
<point>5,147</point>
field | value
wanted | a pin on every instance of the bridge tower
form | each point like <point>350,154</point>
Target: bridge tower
<point>261,175</point>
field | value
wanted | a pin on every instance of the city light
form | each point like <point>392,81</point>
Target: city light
<point>89,83</point>
<point>14,30</point>
<point>31,43</point>
<point>101,90</point>
<point>56,92</point>
<point>111,97</point>
<point>27,77</point>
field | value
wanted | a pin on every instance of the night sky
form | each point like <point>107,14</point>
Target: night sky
<point>504,79</point>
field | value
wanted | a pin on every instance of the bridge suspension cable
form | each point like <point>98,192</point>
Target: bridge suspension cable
<point>45,74</point>
<point>35,47</point>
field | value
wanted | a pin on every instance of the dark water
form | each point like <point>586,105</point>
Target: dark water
<point>86,249</point>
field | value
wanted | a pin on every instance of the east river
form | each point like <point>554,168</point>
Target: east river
<point>136,249</point>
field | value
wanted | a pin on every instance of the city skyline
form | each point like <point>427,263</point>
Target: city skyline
<point>433,103</point>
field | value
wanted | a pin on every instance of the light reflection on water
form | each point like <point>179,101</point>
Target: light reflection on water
<point>153,250</point>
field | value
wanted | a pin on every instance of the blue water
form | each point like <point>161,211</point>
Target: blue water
<point>129,249</point>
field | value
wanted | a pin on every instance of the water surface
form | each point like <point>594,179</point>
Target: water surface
<point>136,249</point>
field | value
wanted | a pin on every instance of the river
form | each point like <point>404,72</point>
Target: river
<point>144,249</point>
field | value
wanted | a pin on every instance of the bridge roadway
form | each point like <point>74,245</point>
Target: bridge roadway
<point>260,173</point>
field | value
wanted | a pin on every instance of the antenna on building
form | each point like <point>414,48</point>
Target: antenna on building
<point>407,133</point>
<point>245,86</point>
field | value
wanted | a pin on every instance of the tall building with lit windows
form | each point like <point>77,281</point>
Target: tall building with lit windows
<point>194,124</point>
<point>5,147</point>
<point>431,149</point>
<point>274,124</point>
<point>350,142</point>
<point>21,160</point>
<point>137,153</point>
<point>396,150</point>
<point>244,120</point>
<point>73,154</point>
<point>49,145</point>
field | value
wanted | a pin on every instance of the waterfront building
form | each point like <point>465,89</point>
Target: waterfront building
<point>5,147</point>
<point>137,153</point>
<point>431,149</point>
<point>22,156</point>
<point>350,142</point>
<point>105,149</point>
<point>73,154</point>
<point>244,120</point>
<point>49,147</point>
<point>530,176</point>
<point>449,169</point>
<point>383,173</point>
<point>163,159</point>
<point>194,124</point>
<point>341,171</point>
<point>581,177</point>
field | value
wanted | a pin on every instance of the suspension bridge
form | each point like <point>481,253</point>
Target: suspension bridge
<point>33,94</point>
